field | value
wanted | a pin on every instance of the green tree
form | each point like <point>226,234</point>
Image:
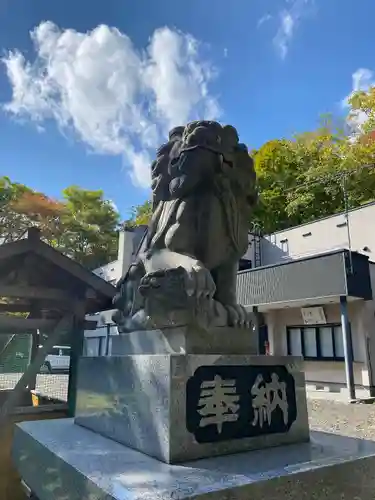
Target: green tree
<point>277,173</point>
<point>304,178</point>
<point>320,159</point>
<point>362,153</point>
<point>11,224</point>
<point>140,215</point>
<point>89,227</point>
<point>362,105</point>
<point>83,225</point>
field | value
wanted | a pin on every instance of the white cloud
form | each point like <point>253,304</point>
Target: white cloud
<point>362,79</point>
<point>289,19</point>
<point>264,19</point>
<point>113,205</point>
<point>284,33</point>
<point>116,99</point>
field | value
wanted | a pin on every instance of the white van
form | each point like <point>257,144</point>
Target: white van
<point>58,360</point>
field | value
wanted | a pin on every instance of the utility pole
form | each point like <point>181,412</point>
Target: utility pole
<point>346,215</point>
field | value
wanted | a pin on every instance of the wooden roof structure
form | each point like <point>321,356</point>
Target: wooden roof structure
<point>39,280</point>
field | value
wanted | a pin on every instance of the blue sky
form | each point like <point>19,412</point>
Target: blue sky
<point>88,107</point>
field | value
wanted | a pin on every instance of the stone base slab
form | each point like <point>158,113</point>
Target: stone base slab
<point>58,459</point>
<point>184,407</point>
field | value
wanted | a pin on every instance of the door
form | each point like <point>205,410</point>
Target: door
<point>263,339</point>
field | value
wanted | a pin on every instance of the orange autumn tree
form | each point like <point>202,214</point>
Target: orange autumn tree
<point>37,209</point>
<point>83,225</point>
<point>21,207</point>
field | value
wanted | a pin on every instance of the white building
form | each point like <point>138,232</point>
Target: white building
<point>327,265</point>
<point>128,243</point>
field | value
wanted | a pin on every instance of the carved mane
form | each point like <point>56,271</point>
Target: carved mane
<point>236,189</point>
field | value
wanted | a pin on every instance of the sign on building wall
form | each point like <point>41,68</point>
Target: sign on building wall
<point>313,316</point>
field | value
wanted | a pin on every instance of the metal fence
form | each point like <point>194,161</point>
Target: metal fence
<point>50,384</point>
<point>99,342</point>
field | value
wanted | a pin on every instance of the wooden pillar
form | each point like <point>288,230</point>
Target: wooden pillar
<point>35,341</point>
<point>77,339</point>
<point>107,338</point>
<point>34,314</point>
<point>34,351</point>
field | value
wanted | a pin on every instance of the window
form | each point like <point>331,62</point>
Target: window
<point>60,351</point>
<point>326,342</point>
<point>295,341</point>
<point>316,342</point>
<point>244,264</point>
<point>55,351</point>
<point>310,342</point>
<point>339,341</point>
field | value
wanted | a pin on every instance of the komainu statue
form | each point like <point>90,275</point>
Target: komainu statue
<point>203,183</point>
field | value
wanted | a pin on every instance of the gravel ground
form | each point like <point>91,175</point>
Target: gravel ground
<point>355,420</point>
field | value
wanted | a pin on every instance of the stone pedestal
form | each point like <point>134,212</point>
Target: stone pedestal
<point>178,407</point>
<point>185,340</point>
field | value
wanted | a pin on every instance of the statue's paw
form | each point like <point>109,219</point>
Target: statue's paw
<point>238,316</point>
<point>165,286</point>
<point>199,282</point>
